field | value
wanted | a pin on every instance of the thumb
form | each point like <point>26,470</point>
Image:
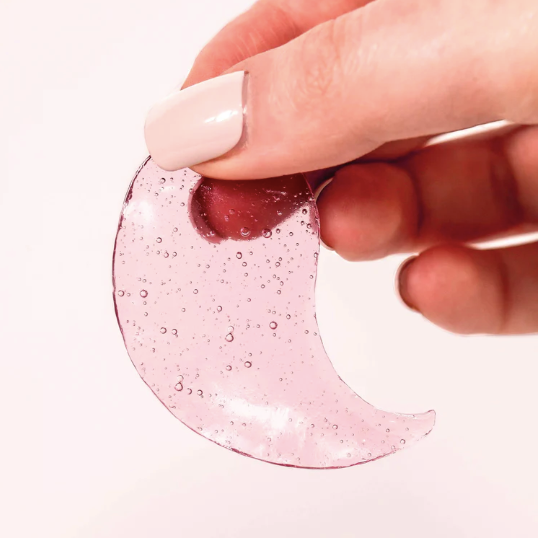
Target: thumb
<point>388,71</point>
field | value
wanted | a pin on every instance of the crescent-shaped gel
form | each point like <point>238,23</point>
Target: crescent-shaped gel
<point>223,329</point>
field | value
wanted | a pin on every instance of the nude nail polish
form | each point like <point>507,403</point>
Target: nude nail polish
<point>197,124</point>
<point>401,284</point>
<point>317,192</point>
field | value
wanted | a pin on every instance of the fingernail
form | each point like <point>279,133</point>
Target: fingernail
<point>197,124</point>
<point>316,196</point>
<point>401,283</point>
<point>321,187</point>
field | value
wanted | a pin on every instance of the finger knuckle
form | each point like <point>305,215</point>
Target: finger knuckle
<point>321,55</point>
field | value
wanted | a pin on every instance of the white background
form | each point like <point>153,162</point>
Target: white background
<point>86,450</point>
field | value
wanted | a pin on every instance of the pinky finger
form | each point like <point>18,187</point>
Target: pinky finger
<point>472,291</point>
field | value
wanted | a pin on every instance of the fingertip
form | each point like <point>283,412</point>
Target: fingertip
<point>367,211</point>
<point>455,287</point>
<point>243,210</point>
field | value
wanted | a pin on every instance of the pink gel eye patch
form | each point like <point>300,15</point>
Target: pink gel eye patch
<point>214,293</point>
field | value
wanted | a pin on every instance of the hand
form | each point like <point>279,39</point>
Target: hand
<point>368,83</point>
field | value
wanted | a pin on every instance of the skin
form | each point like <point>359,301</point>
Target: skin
<point>353,90</point>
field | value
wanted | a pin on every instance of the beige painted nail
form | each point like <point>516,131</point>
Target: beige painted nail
<point>316,196</point>
<point>321,187</point>
<point>197,124</point>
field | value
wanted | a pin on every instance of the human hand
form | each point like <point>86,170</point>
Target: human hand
<point>348,80</point>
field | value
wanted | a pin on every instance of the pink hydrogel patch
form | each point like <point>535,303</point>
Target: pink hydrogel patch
<point>223,329</point>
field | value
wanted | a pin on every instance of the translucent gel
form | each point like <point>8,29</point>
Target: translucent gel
<point>216,307</point>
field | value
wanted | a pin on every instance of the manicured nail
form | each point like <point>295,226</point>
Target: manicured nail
<point>401,283</point>
<point>316,196</point>
<point>197,124</point>
<point>321,187</point>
